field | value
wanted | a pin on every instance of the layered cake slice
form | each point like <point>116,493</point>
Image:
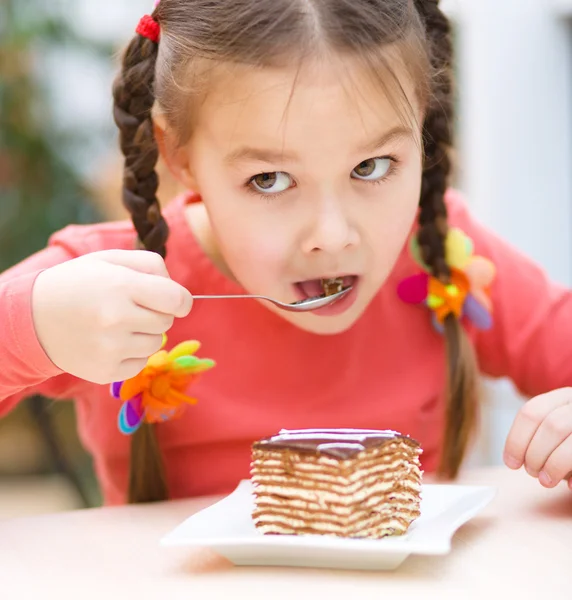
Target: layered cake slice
<point>356,483</point>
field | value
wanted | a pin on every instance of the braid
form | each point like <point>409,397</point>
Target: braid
<point>133,100</point>
<point>133,95</point>
<point>437,140</point>
<point>461,411</point>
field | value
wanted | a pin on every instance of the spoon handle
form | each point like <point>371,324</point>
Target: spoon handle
<point>226,297</point>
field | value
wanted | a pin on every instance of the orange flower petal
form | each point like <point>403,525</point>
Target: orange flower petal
<point>183,380</point>
<point>157,415</point>
<point>163,383</point>
<point>152,404</point>
<point>178,397</point>
<point>452,294</point>
<point>160,385</point>
<point>133,387</point>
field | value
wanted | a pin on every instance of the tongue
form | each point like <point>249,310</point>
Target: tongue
<point>311,288</point>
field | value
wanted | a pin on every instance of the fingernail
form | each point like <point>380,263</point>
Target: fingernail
<point>545,479</point>
<point>186,304</point>
<point>511,462</point>
<point>531,471</point>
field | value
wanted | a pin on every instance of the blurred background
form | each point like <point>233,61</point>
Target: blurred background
<point>59,164</point>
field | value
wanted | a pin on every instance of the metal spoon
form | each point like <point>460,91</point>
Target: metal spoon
<point>299,306</point>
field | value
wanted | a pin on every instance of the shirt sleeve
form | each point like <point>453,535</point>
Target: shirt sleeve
<point>530,341</point>
<point>25,369</point>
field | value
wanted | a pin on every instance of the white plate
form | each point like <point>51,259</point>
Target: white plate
<point>227,528</point>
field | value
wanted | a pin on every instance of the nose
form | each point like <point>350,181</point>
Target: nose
<point>331,230</point>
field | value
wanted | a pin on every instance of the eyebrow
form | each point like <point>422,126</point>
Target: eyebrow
<point>267,155</point>
<point>393,134</point>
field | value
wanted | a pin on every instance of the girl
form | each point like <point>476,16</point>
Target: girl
<point>313,137</point>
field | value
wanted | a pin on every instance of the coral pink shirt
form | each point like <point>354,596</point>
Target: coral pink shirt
<point>387,371</point>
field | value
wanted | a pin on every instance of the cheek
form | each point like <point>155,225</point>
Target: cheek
<point>246,228</point>
<point>246,239</point>
<point>390,229</point>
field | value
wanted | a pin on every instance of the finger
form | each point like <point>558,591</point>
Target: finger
<point>160,294</point>
<point>142,345</point>
<point>558,465</point>
<point>143,320</point>
<point>527,422</point>
<point>555,428</point>
<point>570,481</point>
<point>130,368</point>
<point>138,260</point>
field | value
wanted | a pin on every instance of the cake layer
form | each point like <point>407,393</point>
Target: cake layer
<point>363,528</point>
<point>272,502</point>
<point>315,472</point>
<point>372,529</point>
<point>400,509</point>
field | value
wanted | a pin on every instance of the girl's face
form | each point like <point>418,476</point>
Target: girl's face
<point>305,176</point>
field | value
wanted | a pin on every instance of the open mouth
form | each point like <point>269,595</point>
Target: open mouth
<point>325,287</point>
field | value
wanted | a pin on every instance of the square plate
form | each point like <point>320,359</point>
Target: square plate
<point>227,528</point>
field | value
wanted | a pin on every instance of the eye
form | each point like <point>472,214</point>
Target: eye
<point>271,183</point>
<point>372,169</point>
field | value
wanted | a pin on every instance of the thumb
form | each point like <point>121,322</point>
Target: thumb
<point>138,260</point>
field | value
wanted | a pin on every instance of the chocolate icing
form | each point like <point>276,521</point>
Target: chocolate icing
<point>338,443</point>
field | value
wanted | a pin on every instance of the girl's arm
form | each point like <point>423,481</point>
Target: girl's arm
<point>74,296</point>
<point>531,343</point>
<point>25,369</point>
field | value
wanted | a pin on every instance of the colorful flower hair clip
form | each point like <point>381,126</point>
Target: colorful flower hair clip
<point>467,293</point>
<point>159,392</point>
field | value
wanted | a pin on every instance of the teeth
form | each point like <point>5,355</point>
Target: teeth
<point>332,286</point>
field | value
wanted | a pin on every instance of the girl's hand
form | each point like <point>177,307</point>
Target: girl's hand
<point>541,438</point>
<point>99,317</point>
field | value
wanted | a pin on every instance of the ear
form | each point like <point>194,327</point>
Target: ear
<point>175,156</point>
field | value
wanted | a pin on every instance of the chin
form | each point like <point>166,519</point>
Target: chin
<point>330,327</point>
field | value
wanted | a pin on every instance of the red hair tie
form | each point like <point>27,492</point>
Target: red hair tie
<point>149,28</point>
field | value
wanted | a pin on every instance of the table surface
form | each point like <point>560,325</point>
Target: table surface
<point>521,543</point>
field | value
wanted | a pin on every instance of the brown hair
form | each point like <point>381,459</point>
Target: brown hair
<point>264,32</point>
<point>461,408</point>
